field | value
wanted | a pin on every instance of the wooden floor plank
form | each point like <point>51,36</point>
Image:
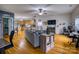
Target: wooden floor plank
<point>22,46</point>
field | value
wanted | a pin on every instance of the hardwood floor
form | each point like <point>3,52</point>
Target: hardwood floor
<point>22,46</point>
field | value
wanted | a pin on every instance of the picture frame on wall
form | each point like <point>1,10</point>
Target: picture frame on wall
<point>45,22</point>
<point>63,23</point>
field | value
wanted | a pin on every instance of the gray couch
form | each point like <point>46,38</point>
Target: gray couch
<point>33,37</point>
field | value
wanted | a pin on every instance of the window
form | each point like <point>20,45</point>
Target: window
<point>77,24</point>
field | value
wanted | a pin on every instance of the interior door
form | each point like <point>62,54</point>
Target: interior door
<point>5,26</point>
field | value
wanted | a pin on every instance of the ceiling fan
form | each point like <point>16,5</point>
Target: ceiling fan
<point>41,12</point>
<point>40,9</point>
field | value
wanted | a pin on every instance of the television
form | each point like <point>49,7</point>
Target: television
<point>51,22</point>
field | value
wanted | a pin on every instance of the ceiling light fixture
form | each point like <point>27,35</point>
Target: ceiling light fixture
<point>40,12</point>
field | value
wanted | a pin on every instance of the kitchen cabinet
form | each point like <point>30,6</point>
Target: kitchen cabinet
<point>46,42</point>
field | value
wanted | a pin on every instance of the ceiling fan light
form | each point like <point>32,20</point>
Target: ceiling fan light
<point>40,13</point>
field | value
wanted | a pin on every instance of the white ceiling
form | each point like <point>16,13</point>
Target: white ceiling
<point>30,10</point>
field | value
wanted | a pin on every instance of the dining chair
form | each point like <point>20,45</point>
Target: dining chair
<point>5,44</point>
<point>11,42</point>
